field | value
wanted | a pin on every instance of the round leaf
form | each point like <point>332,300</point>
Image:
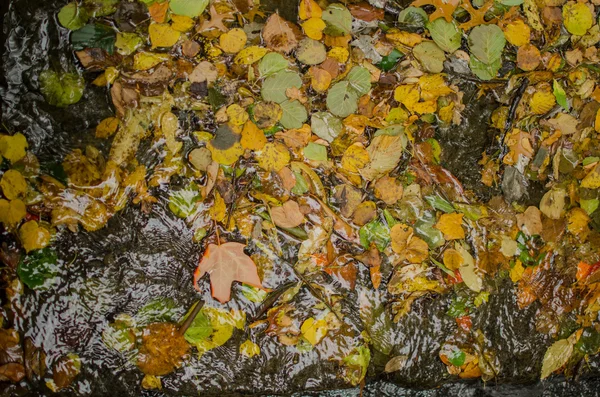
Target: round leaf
<point>445,34</point>
<point>274,87</point>
<point>272,63</point>
<point>359,79</point>
<point>342,99</point>
<point>72,16</point>
<point>294,114</point>
<point>486,42</point>
<point>189,8</point>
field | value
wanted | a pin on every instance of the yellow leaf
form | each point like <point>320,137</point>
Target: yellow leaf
<point>314,330</point>
<point>447,113</point>
<point>181,23</point>
<point>233,41</point>
<point>517,33</point>
<point>597,121</point>
<point>320,79</point>
<point>249,55</point>
<point>225,147</point>
<point>227,156</point>
<point>417,250</point>
<point>253,137</point>
<point>163,35</point>
<point>400,233</point>
<point>267,114</point>
<point>340,54</point>
<point>403,38</point>
<point>452,259</point>
<point>408,95</point>
<point>578,223</point>
<point>592,180</point>
<point>313,28</point>
<point>273,157</point>
<point>388,189</point>
<point>218,210</point>
<point>249,349</point>
<point>542,102</point>
<point>148,60</point>
<point>12,147</point>
<point>13,184</point>
<point>107,127</point>
<point>433,86</point>
<point>309,9</point>
<point>516,272</point>
<point>12,212</point>
<point>237,114</point>
<point>355,158</point>
<point>33,236</point>
<point>425,107</point>
<point>451,226</point>
<point>577,18</point>
<point>151,382</point>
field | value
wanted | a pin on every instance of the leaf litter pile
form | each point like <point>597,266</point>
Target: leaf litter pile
<point>313,173</point>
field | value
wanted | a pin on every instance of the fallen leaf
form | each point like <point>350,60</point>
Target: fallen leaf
<point>288,215</point>
<point>225,264</point>
<point>279,35</point>
<point>451,226</point>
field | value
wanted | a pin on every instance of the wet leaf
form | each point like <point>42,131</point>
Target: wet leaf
<point>314,330</point>
<point>384,154</point>
<point>225,264</point>
<point>183,202</point>
<point>33,236</point>
<point>73,16</point>
<point>94,36</point>
<point>64,372</point>
<point>249,349</point>
<point>288,215</point>
<point>13,147</point>
<point>163,349</point>
<point>61,90</point>
<point>556,356</point>
<point>12,212</point>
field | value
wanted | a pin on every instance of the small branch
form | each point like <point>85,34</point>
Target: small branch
<point>188,321</point>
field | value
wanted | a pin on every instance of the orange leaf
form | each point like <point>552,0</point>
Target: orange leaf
<point>443,9</point>
<point>477,15</point>
<point>225,264</point>
<point>158,11</point>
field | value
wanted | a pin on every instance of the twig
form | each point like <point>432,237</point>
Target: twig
<point>188,321</point>
<point>271,299</point>
<point>512,110</point>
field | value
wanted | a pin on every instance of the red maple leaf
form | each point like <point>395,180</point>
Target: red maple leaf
<point>225,264</point>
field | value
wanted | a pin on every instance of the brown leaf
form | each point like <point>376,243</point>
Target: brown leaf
<point>530,221</point>
<point>388,189</point>
<point>279,34</point>
<point>163,349</point>
<point>12,372</point>
<point>443,9</point>
<point>364,213</point>
<point>216,21</point>
<point>226,263</point>
<point>528,57</point>
<point>366,12</point>
<point>288,215</point>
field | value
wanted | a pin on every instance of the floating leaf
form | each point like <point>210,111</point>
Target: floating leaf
<point>61,90</point>
<point>73,16</point>
<point>225,264</point>
<point>556,356</point>
<point>94,36</point>
<point>38,266</point>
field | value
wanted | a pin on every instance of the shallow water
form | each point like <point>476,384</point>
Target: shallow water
<point>140,257</point>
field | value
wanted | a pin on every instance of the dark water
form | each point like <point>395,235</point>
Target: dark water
<point>140,257</point>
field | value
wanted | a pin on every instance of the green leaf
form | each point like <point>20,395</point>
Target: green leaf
<point>274,86</point>
<point>424,228</point>
<point>301,185</point>
<point>445,34</point>
<point>325,125</point>
<point>359,79</point>
<point>392,130</point>
<point>272,63</point>
<point>61,90</point>
<point>316,152</point>
<point>439,203</point>
<point>357,363</point>
<point>390,61</point>
<point>431,56</point>
<point>459,306</point>
<point>556,356</point>
<point>374,232</point>
<point>311,52</point>
<point>189,8</point>
<point>486,42</point>
<point>589,205</point>
<point>589,342</point>
<point>73,16</point>
<point>560,95</point>
<point>94,36</point>
<point>215,98</point>
<point>183,202</point>
<point>342,99</point>
<point>200,329</point>
<point>511,3</point>
<point>414,16</point>
<point>338,20</point>
<point>127,43</point>
<point>294,114</point>
<point>158,310</point>
<point>457,358</point>
<point>38,266</point>
<point>101,8</point>
<point>485,71</point>
<point>253,294</point>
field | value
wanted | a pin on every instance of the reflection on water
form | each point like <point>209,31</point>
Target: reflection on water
<point>141,257</point>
